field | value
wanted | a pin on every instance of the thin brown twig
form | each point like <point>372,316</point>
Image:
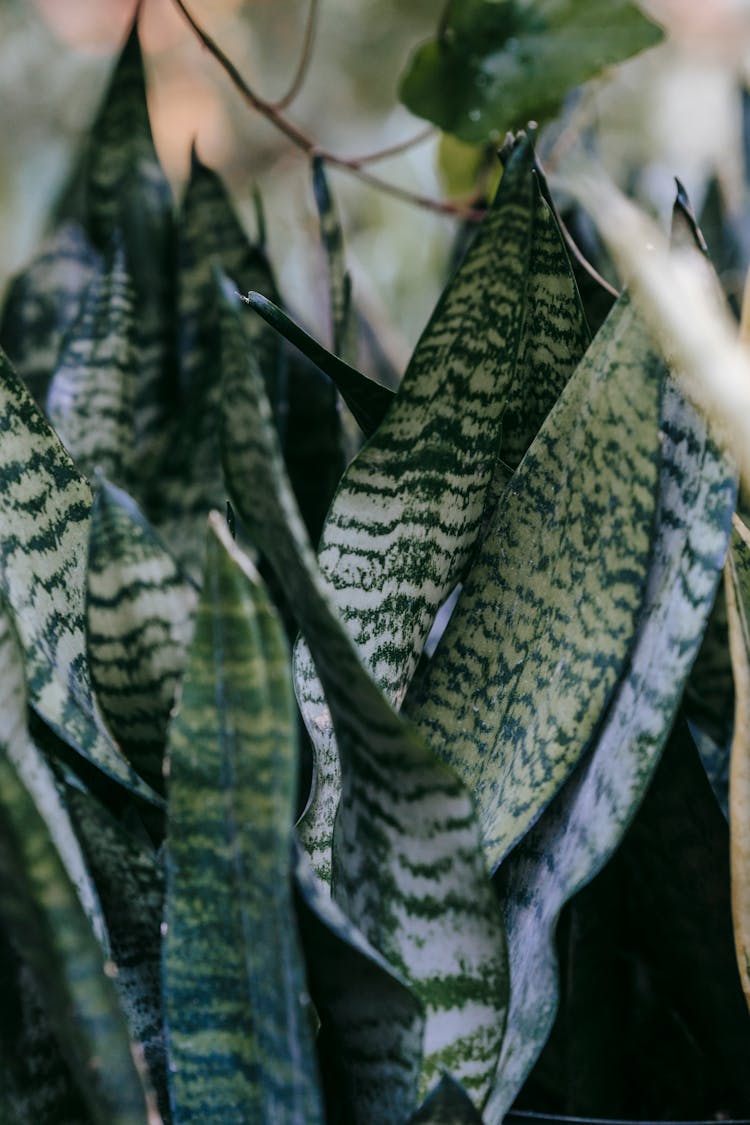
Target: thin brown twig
<point>303,65</point>
<point>306,144</point>
<point>396,149</point>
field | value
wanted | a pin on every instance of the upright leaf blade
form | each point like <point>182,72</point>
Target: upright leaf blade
<point>343,324</point>
<point>240,1046</point>
<point>549,611</point>
<point>45,920</point>
<point>501,344</point>
<point>585,823</point>
<point>45,508</point>
<point>139,615</point>
<point>407,867</point>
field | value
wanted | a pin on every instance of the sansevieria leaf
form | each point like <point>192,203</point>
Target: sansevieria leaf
<point>45,508</point>
<point>43,917</point>
<point>240,1041</point>
<point>410,873</point>
<point>502,342</point>
<point>372,1023</point>
<point>448,1104</point>
<point>586,821</point>
<point>550,608</point>
<point>139,615</point>
<point>91,399</point>
<point>343,324</point>
<point>738,606</point>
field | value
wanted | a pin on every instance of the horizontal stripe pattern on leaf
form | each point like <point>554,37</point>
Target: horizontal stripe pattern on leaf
<point>549,610</point>
<point>586,821</point>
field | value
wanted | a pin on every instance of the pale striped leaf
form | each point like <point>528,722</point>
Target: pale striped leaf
<point>585,823</point>
<point>408,870</point>
<point>372,1023</point>
<point>45,508</point>
<point>448,1104</point>
<point>368,401</point>
<point>549,611</point>
<point>738,604</point>
<point>44,919</point>
<point>505,337</point>
<point>91,398</point>
<point>130,884</point>
<point>139,615</point>
<point>240,1042</point>
<point>43,301</point>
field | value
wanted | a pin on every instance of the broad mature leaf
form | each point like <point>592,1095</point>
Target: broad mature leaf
<point>139,616</point>
<point>130,882</point>
<point>45,508</point>
<point>738,604</point>
<point>43,301</point>
<point>42,915</point>
<point>368,401</point>
<point>91,398</point>
<point>549,611</point>
<point>240,1042</point>
<point>372,1023</point>
<point>496,64</point>
<point>501,344</point>
<point>448,1104</point>
<point>408,868</point>
<point>343,322</point>
<point>585,823</point>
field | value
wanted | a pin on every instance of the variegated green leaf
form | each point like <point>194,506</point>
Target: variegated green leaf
<point>407,866</point>
<point>139,614</point>
<point>45,508</point>
<point>738,604</point>
<point>91,398</point>
<point>130,884</point>
<point>42,303</point>
<point>448,1104</point>
<point>44,919</point>
<point>343,323</point>
<point>585,823</point>
<point>368,401</point>
<point>372,1023</point>
<point>505,337</point>
<point>549,612</point>
<point>240,1042</point>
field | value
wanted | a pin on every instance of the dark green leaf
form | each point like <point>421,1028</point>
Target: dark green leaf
<point>44,918</point>
<point>585,823</point>
<point>448,1104</point>
<point>368,401</point>
<point>343,322</point>
<point>496,64</point>
<point>548,614</point>
<point>407,866</point>
<point>240,1043</point>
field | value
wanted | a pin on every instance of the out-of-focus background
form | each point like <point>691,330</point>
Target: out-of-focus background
<point>677,109</point>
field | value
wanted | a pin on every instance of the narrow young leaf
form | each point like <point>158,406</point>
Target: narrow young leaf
<point>91,399</point>
<point>44,918</point>
<point>240,1043</point>
<point>45,507</point>
<point>585,823</point>
<point>43,301</point>
<point>448,1104</point>
<point>372,1023</point>
<point>343,323</point>
<point>368,401</point>
<point>502,342</point>
<point>738,605</point>
<point>407,866</point>
<point>548,613</point>
<point>139,615</point>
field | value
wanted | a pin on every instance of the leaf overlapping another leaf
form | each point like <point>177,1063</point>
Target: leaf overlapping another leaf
<point>409,871</point>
